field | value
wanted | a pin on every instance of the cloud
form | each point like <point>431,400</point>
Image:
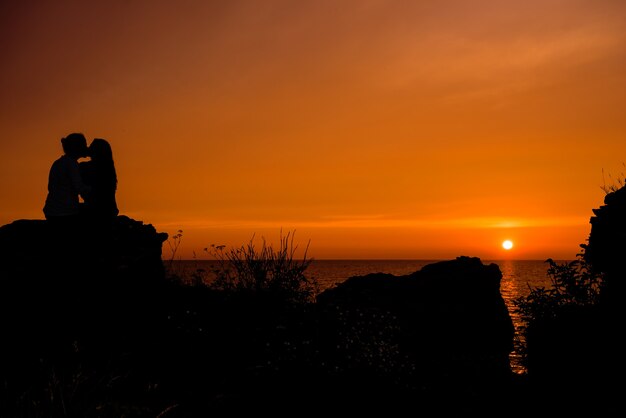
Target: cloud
<point>379,221</point>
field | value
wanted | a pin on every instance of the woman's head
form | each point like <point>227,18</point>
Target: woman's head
<point>75,145</point>
<point>102,156</point>
<point>100,150</point>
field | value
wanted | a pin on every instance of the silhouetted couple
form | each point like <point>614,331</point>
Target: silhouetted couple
<point>94,180</point>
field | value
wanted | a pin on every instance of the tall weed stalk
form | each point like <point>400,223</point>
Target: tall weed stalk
<point>264,269</point>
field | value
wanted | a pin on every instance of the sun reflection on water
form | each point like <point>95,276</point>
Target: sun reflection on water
<point>517,278</point>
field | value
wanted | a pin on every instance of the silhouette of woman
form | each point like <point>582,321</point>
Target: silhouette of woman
<point>65,183</point>
<point>99,174</point>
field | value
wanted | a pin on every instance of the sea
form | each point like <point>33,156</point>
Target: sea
<point>518,277</point>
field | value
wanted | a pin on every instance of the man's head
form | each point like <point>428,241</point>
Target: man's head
<point>75,145</point>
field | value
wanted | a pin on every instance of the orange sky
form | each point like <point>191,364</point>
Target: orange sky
<point>374,129</point>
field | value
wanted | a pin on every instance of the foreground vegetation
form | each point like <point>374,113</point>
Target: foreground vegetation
<point>107,343</point>
<point>101,339</point>
<point>574,286</point>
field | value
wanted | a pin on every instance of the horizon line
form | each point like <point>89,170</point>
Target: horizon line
<point>400,259</point>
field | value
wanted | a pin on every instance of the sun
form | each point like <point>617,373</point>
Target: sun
<point>507,245</point>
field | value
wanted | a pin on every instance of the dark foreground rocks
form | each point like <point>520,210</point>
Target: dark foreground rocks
<point>106,333</point>
<point>577,354</point>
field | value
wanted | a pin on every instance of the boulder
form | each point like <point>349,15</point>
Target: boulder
<point>56,285</point>
<point>445,325</point>
<point>577,353</point>
<point>606,245</point>
<point>39,250</point>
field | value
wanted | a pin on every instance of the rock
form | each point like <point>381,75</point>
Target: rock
<point>83,298</point>
<point>56,285</point>
<point>606,246</point>
<point>577,354</point>
<point>446,324</point>
<point>35,249</point>
<point>55,282</point>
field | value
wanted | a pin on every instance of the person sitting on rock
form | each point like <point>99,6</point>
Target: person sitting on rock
<point>99,174</point>
<point>100,208</point>
<point>65,184</point>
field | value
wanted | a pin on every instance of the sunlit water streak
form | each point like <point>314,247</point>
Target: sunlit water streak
<point>517,276</point>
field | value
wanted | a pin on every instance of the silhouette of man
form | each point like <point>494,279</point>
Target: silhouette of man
<point>62,207</point>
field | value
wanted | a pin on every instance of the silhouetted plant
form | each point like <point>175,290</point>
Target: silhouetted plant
<point>572,284</point>
<point>177,271</point>
<point>616,183</point>
<point>174,243</point>
<point>199,275</point>
<point>71,386</point>
<point>265,270</point>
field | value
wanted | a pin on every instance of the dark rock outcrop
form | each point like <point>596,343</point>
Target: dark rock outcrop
<point>577,354</point>
<point>438,338</point>
<point>34,248</point>
<point>54,281</point>
<point>606,247</point>
<point>86,299</point>
<point>446,325</point>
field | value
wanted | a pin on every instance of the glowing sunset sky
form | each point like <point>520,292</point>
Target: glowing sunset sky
<point>375,129</point>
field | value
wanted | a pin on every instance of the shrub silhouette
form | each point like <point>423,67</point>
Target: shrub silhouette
<point>265,270</point>
<point>572,284</point>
